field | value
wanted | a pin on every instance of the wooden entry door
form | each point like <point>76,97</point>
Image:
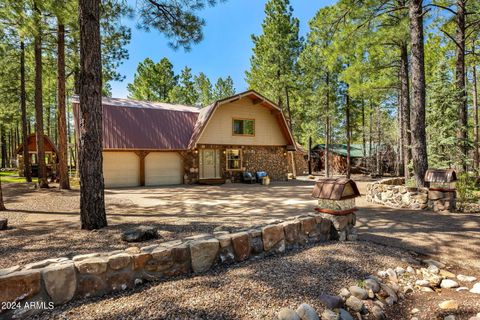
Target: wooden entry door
<point>209,163</point>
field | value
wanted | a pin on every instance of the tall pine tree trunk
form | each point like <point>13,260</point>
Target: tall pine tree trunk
<point>460,82</point>
<point>61,115</point>
<point>399,162</point>
<point>92,198</point>
<point>327,128</point>
<point>42,169</point>
<point>2,204</point>
<point>475,115</point>
<point>3,142</point>
<point>379,142</point>
<point>419,143</point>
<point>347,119</point>
<point>405,103</point>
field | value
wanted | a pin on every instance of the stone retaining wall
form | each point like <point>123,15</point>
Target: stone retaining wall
<point>27,290</point>
<point>392,192</point>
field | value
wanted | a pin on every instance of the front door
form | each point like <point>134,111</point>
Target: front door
<point>209,163</point>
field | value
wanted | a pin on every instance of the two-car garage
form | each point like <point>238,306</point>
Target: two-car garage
<point>123,169</point>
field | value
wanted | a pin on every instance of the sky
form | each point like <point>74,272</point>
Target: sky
<point>226,48</point>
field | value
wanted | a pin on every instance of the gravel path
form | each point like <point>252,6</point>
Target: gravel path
<point>250,290</point>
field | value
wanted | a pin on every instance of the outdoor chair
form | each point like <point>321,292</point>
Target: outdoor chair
<point>248,177</point>
<point>260,175</point>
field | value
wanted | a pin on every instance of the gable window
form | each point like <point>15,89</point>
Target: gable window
<point>234,159</point>
<point>244,127</point>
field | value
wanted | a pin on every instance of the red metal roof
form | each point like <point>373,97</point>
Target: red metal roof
<point>142,125</point>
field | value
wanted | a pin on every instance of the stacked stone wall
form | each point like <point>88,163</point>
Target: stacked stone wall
<point>57,281</point>
<point>393,193</point>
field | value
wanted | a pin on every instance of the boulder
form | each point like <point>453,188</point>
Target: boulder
<point>287,314</point>
<point>9,270</point>
<point>448,284</point>
<point>203,254</point>
<point>140,260</point>
<point>355,304</point>
<point>241,246</point>
<point>331,302</point>
<point>358,292</point>
<point>345,315</point>
<point>378,313</point>
<point>372,284</point>
<point>465,278</point>
<point>292,231</point>
<point>96,265</point>
<point>90,285</point>
<point>306,312</point>
<point>3,224</point>
<point>19,285</point>
<point>330,315</point>
<point>60,282</point>
<point>273,238</point>
<point>140,233</point>
<point>476,288</point>
<point>449,305</point>
<point>119,261</point>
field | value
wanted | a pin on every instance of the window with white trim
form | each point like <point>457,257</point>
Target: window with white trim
<point>234,159</point>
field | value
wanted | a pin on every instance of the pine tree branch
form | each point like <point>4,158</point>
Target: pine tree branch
<point>452,38</point>
<point>441,7</point>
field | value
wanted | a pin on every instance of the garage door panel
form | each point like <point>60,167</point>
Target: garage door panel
<point>163,168</point>
<point>121,169</point>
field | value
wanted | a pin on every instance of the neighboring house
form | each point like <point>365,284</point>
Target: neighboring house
<point>148,144</point>
<point>51,158</point>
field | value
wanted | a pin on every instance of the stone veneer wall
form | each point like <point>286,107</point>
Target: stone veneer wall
<point>392,192</point>
<point>58,281</point>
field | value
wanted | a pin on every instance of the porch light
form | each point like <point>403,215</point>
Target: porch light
<point>195,151</point>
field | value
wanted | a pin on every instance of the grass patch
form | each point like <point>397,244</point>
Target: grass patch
<point>11,177</point>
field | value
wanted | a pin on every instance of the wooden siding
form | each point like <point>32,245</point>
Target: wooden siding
<point>267,129</point>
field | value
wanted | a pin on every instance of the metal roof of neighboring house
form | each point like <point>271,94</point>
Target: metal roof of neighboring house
<point>143,125</point>
<point>356,150</point>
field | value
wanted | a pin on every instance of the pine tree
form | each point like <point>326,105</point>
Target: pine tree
<point>275,53</point>
<point>223,88</point>
<point>184,92</point>
<point>203,87</point>
<point>153,81</point>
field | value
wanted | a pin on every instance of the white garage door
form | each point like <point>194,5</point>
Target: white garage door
<point>121,169</point>
<point>163,168</point>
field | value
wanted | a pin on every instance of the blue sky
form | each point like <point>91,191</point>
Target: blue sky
<point>226,48</point>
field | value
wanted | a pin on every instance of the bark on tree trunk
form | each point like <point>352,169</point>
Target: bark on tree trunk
<point>42,169</point>
<point>61,115</point>
<point>379,142</point>
<point>2,204</point>
<point>475,115</point>
<point>92,198</point>
<point>327,128</point>
<point>23,106</point>
<point>364,137</point>
<point>3,142</point>
<point>370,138</point>
<point>347,118</point>
<point>419,144</point>
<point>400,162</point>
<point>460,82</point>
<point>290,124</point>
<point>405,102</point>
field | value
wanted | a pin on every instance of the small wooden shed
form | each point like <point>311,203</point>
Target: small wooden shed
<point>51,153</point>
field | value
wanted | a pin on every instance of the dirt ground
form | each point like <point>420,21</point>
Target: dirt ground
<point>45,223</point>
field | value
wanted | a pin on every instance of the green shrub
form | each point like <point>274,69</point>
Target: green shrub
<point>466,189</point>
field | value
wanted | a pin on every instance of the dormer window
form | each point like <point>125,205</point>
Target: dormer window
<point>243,127</point>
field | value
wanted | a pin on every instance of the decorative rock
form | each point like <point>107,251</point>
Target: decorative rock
<point>306,312</point>
<point>344,293</point>
<point>329,315</point>
<point>203,253</point>
<point>392,275</point>
<point>415,311</point>
<point>389,291</point>
<point>140,233</point>
<point>464,278</point>
<point>434,280</point>
<point>345,315</point>
<point>138,282</point>
<point>43,263</point>
<point>3,224</point>
<point>19,285</point>
<point>358,292</point>
<point>372,284</point>
<point>140,260</point>
<point>449,305</point>
<point>92,266</point>
<point>86,256</point>
<point>119,281</point>
<point>378,313</point>
<point>410,270</point>
<point>390,300</point>
<point>449,317</point>
<point>382,274</point>
<point>448,284</point>
<point>6,271</point>
<point>273,238</point>
<point>426,289</point>
<point>292,232</point>
<point>407,289</point>
<point>241,246</point>
<point>399,270</point>
<point>119,261</point>
<point>60,282</point>
<point>431,262</point>
<point>89,285</point>
<point>287,314</point>
<point>447,274</point>
<point>461,289</point>
<point>355,304</point>
<point>331,302</point>
<point>476,288</point>
<point>433,269</point>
